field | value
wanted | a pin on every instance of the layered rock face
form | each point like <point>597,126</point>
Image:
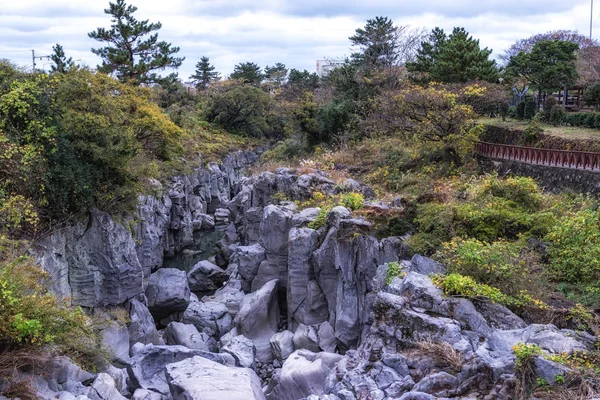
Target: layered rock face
<point>231,295</point>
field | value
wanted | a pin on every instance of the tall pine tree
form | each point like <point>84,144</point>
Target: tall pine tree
<point>248,72</point>
<point>133,53</point>
<point>60,60</point>
<point>452,59</point>
<point>377,43</point>
<point>205,74</point>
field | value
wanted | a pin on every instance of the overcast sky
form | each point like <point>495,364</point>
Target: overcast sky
<point>295,32</point>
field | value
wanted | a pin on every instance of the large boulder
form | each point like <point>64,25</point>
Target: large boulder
<point>179,334</point>
<point>104,388</point>
<point>282,345</point>
<point>167,292</point>
<point>304,373</point>
<point>258,318</point>
<point>141,327</point>
<point>94,263</point>
<point>198,378</point>
<point>242,350</point>
<point>306,302</point>
<point>147,368</point>
<point>206,277</point>
<point>248,259</point>
<point>115,339</point>
<point>210,317</point>
<point>274,230</point>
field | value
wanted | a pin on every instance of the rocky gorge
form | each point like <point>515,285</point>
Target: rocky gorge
<point>231,293</point>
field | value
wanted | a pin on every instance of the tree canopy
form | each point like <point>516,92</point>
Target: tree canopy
<point>205,74</point>
<point>60,60</point>
<point>549,65</point>
<point>248,72</point>
<point>133,52</point>
<point>454,58</point>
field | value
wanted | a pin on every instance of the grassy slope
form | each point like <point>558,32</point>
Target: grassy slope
<point>566,132</point>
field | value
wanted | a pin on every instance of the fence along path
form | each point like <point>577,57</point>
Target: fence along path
<point>532,155</point>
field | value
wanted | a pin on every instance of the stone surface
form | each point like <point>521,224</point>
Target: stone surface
<point>206,277</point>
<point>242,350</point>
<point>167,292</point>
<point>282,345</point>
<point>210,317</point>
<point>202,379</point>
<point>147,368</point>
<point>177,333</point>
<point>258,318</point>
<point>141,327</point>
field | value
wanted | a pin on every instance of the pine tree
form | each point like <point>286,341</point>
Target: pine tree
<point>452,59</point>
<point>377,43</point>
<point>549,65</point>
<point>276,74</point>
<point>205,74</point>
<point>61,62</point>
<point>248,72</point>
<point>134,52</point>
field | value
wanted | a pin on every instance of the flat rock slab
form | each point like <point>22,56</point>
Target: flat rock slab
<point>200,379</point>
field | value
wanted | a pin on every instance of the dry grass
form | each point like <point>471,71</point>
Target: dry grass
<point>441,352</point>
<point>15,361</point>
<point>567,132</point>
<point>576,387</point>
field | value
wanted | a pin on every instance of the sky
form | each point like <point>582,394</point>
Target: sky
<point>294,32</point>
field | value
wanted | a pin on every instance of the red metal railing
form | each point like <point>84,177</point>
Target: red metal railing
<point>533,155</point>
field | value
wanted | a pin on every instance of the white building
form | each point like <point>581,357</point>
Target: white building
<point>324,67</point>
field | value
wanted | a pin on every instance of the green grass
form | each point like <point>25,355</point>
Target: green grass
<point>568,132</point>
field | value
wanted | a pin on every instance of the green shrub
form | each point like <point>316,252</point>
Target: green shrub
<point>393,270</point>
<point>533,129</point>
<point>501,264</point>
<point>31,317</point>
<point>320,220</point>
<point>557,115</point>
<point>548,104</point>
<point>503,109</point>
<point>353,201</point>
<point>512,112</point>
<point>530,109</point>
<point>526,353</point>
<point>590,120</point>
<point>244,110</point>
<point>574,250</point>
<point>520,110</point>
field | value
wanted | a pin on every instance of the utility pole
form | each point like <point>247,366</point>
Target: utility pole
<point>591,17</point>
<point>33,58</point>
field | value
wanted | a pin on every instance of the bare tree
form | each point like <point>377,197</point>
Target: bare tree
<point>525,45</point>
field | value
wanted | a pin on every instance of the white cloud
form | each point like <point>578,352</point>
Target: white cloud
<point>288,31</point>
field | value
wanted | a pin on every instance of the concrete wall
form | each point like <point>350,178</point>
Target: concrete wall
<point>552,179</point>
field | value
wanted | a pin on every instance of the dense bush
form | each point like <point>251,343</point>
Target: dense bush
<point>501,264</point>
<point>244,110</point>
<point>520,110</point>
<point>30,317</point>
<point>530,109</point>
<point>77,140</point>
<point>574,250</point>
<point>557,115</point>
<point>548,104</point>
<point>487,209</point>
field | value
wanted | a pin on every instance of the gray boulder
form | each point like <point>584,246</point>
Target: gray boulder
<point>243,351</point>
<point>177,333</point>
<point>202,379</point>
<point>141,327</point>
<point>147,368</point>
<point>115,339</point>
<point>206,276</point>
<point>167,292</point>
<point>104,388</point>
<point>303,374</point>
<point>282,345</point>
<point>426,266</point>
<point>209,317</point>
<point>258,319</point>
<point>248,259</point>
